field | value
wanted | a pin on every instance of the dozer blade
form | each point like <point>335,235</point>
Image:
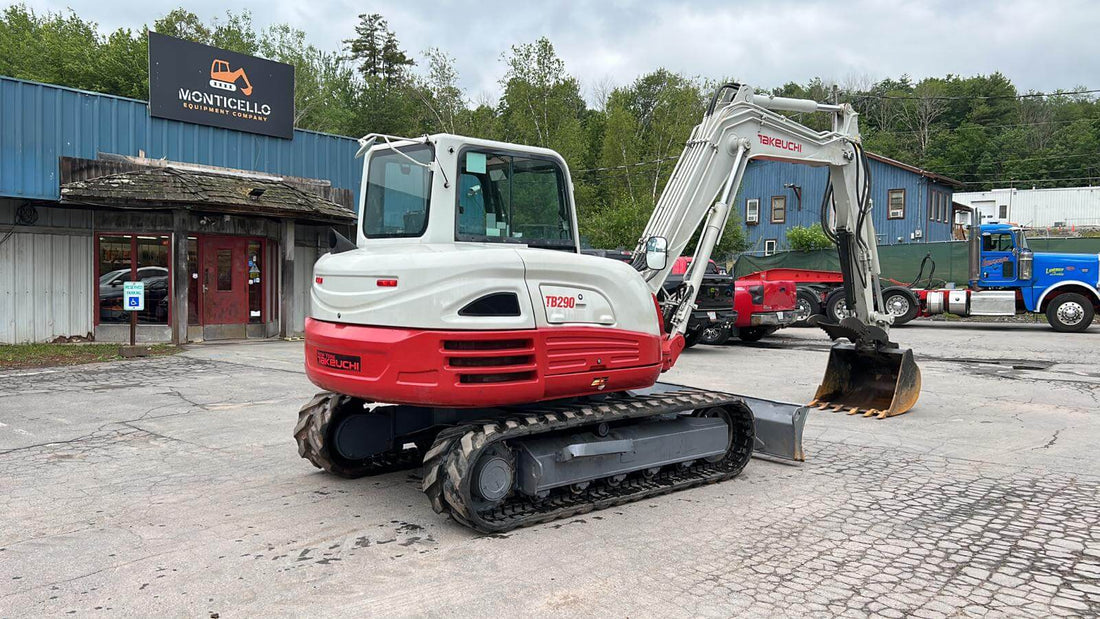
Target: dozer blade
<point>777,425</point>
<point>876,382</point>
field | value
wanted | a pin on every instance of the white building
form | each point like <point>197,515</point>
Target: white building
<point>1063,207</point>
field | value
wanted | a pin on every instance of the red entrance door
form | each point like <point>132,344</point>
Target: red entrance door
<point>224,286</point>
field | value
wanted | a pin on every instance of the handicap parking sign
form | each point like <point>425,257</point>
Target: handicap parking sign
<point>133,294</point>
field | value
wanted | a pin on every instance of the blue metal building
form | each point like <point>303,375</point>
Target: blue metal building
<point>41,122</point>
<point>222,226</point>
<point>910,205</point>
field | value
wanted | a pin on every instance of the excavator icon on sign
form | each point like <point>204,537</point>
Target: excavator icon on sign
<point>225,79</point>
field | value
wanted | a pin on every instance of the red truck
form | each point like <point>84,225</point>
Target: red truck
<point>762,306</point>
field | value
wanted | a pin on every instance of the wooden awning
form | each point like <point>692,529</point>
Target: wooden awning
<point>159,188</point>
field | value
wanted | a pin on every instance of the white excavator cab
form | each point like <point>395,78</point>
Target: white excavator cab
<point>451,189</point>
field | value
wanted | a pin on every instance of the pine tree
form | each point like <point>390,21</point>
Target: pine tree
<point>394,59</point>
<point>366,47</point>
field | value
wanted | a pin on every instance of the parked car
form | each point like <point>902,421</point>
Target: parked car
<point>111,289</point>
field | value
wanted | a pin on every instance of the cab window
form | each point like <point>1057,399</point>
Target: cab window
<point>506,198</point>
<point>398,190</point>
<point>998,242</point>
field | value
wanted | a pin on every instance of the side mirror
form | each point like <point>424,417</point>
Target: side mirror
<point>656,253</point>
<point>338,243</point>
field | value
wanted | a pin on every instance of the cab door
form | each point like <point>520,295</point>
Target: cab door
<point>998,260</point>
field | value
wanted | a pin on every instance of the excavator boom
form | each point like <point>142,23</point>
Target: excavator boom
<point>739,126</point>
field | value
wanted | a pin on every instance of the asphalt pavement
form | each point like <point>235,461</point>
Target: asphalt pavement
<point>172,486</point>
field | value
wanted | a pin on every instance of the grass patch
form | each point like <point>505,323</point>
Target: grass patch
<point>45,355</point>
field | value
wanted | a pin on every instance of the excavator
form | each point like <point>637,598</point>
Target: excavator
<point>464,332</point>
<point>222,77</point>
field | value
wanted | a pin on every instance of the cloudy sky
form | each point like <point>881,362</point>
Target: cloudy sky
<point>1040,45</point>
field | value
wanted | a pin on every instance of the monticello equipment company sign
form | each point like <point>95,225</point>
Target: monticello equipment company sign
<point>209,86</point>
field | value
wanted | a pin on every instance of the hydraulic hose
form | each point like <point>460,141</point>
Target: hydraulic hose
<point>826,203</point>
<point>718,95</point>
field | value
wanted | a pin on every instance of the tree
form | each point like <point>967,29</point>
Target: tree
<point>324,82</point>
<point>622,149</point>
<point>366,47</point>
<point>376,49</point>
<point>235,33</point>
<point>183,24</point>
<point>802,238</point>
<point>439,91</point>
<point>921,111</point>
<point>542,104</point>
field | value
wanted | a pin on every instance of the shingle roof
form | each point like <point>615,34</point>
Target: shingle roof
<point>158,188</point>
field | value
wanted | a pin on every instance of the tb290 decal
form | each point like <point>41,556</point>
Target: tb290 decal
<point>561,301</point>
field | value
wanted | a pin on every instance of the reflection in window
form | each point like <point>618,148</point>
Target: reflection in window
<point>152,268</point>
<point>114,270</point>
<point>225,269</point>
<point>512,198</point>
<point>397,193</point>
<point>255,289</point>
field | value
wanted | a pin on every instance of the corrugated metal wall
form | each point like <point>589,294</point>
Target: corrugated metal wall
<point>304,257</point>
<point>46,273</point>
<point>309,243</point>
<point>764,179</point>
<point>1040,208</point>
<point>41,122</point>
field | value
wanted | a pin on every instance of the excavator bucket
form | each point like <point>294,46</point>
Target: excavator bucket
<point>876,382</point>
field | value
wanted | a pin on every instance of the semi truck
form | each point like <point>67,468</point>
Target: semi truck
<point>1005,278</point>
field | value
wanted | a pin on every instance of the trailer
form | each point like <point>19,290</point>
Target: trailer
<point>1006,278</point>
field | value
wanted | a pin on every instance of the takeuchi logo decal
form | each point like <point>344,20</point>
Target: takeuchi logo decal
<point>774,142</point>
<point>223,77</point>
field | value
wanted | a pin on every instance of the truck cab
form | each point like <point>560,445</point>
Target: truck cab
<point>1003,251</point>
<point>1064,286</point>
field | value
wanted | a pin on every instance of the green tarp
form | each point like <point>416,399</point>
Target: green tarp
<point>902,262</point>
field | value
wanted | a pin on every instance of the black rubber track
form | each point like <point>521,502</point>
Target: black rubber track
<point>448,464</point>
<point>312,435</point>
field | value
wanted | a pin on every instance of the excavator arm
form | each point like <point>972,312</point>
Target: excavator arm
<point>739,126</point>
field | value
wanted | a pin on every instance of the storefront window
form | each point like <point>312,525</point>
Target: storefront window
<point>114,270</point>
<point>255,289</point>
<point>124,258</point>
<point>152,268</point>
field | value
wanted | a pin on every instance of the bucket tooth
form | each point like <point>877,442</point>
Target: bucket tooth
<point>882,381</point>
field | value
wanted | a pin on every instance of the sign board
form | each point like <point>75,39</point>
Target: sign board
<point>133,296</point>
<point>205,85</point>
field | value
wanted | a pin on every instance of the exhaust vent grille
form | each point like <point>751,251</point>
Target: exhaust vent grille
<point>491,361</point>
